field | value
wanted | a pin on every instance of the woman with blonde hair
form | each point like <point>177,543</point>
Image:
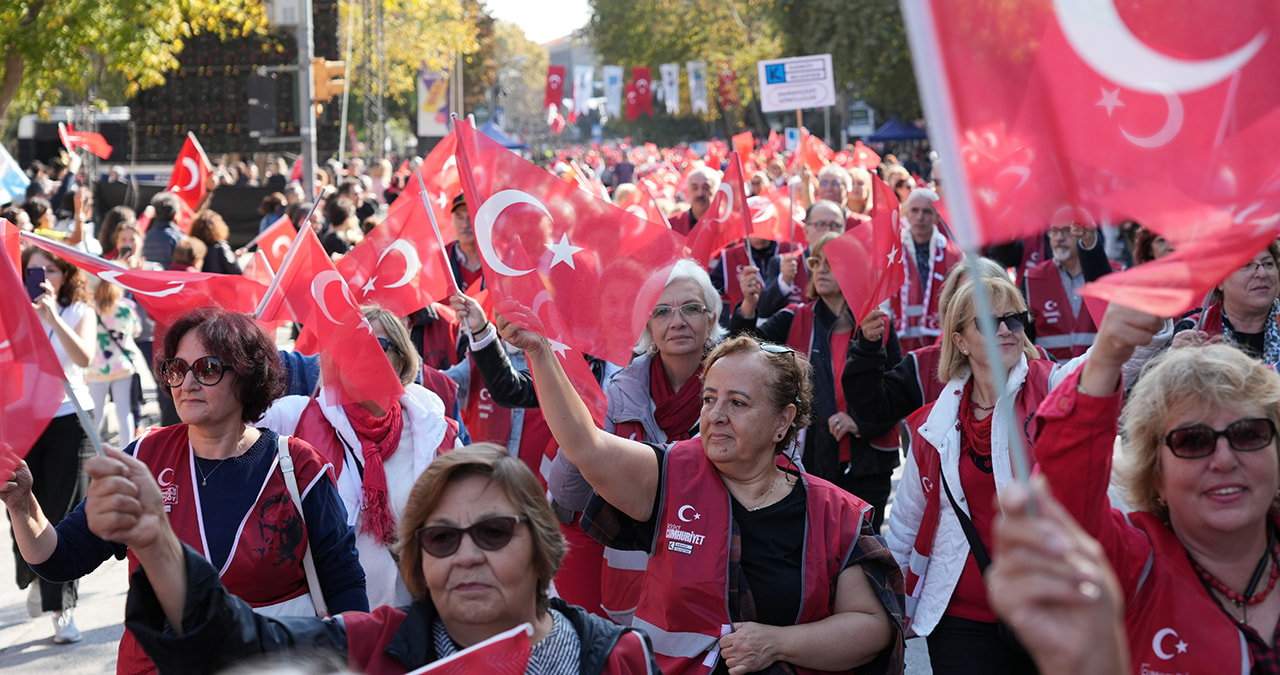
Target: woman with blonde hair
<point>940,525</point>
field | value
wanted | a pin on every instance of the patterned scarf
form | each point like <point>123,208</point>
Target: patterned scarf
<point>1270,336</point>
<point>379,439</point>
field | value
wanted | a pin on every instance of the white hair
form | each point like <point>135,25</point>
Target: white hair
<point>690,270</point>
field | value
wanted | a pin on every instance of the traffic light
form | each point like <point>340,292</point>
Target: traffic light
<point>327,79</point>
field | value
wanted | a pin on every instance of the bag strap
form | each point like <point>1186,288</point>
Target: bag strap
<point>980,554</point>
<point>308,564</point>
<point>116,342</point>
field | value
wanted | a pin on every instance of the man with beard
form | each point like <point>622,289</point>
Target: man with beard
<point>699,186</point>
<point>1063,326</point>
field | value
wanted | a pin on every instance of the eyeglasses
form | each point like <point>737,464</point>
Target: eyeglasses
<point>1016,322</point>
<point>490,534</point>
<point>688,310</point>
<point>207,370</point>
<point>1268,266</point>
<point>387,345</point>
<point>816,263</point>
<point>829,225</point>
<point>830,184</point>
<point>1200,440</point>
<point>901,184</point>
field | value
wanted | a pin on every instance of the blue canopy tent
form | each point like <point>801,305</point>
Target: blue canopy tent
<point>495,132</point>
<point>896,130</point>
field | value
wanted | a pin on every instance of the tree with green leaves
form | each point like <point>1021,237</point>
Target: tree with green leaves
<point>59,51</point>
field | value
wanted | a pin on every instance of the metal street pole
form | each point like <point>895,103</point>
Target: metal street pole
<point>306,98</point>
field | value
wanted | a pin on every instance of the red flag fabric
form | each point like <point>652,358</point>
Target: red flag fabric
<point>506,653</point>
<point>558,261</point>
<point>310,290</point>
<point>32,376</point>
<point>73,140</point>
<point>400,263</point>
<point>1058,107</point>
<point>633,102</point>
<point>716,152</point>
<point>640,204</point>
<point>554,95</point>
<point>295,172</point>
<point>864,157</point>
<point>727,219</point>
<point>274,241</point>
<point>744,143</point>
<point>773,145</point>
<point>10,242</point>
<point>166,295</point>
<point>644,88</point>
<point>190,171</point>
<point>811,152</point>
<point>769,217</point>
<point>867,260</point>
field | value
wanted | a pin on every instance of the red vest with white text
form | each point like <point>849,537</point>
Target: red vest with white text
<point>265,565</point>
<point>1062,335</point>
<point>800,338</point>
<point>918,322</point>
<point>684,605</point>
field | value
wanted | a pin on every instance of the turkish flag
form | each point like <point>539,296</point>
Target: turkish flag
<point>864,157</point>
<point>10,242</point>
<point>295,172</point>
<point>640,203</point>
<point>644,88</point>
<point>727,219</point>
<point>506,653</point>
<point>558,261</point>
<point>73,140</point>
<point>554,95</point>
<point>309,290</point>
<point>274,242</point>
<point>401,264</point>
<point>744,143</point>
<point>811,152</point>
<point>716,152</point>
<point>32,376</point>
<point>867,260</point>
<point>769,217</point>
<point>1058,108</point>
<point>166,295</point>
<point>190,171</point>
<point>633,102</point>
<point>773,145</point>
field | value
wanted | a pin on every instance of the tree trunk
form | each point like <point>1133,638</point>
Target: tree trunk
<point>11,79</point>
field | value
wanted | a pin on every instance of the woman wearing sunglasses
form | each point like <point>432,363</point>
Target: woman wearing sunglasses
<point>940,525</point>
<point>377,454</point>
<point>478,548</point>
<point>223,488</point>
<point>1198,558</point>
<point>749,565</point>
<point>857,456</point>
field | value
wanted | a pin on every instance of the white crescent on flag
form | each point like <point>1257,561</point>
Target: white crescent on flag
<point>485,218</point>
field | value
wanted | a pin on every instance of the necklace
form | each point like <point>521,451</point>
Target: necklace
<point>204,477</point>
<point>762,500</point>
<point>983,408</point>
<point>1249,597</point>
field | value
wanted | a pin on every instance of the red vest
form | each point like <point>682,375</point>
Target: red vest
<point>258,569</point>
<point>489,422</point>
<point>918,321</point>
<point>928,463</point>
<point>927,361</point>
<point>369,633</point>
<point>440,339</point>
<point>1062,335</point>
<point>800,338</point>
<point>684,605</point>
<point>314,428</point>
<point>732,262</point>
<point>1171,622</point>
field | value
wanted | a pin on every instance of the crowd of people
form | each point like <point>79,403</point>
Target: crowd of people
<point>735,511</point>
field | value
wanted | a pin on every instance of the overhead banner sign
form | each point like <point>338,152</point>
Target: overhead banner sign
<point>796,83</point>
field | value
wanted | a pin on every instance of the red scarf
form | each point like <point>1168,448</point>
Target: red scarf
<point>379,439</point>
<point>676,412</point>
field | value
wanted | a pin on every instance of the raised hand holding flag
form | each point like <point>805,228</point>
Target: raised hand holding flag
<point>190,175</point>
<point>74,140</point>
<point>867,259</point>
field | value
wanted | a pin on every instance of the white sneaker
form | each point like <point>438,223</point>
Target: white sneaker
<point>64,628</point>
<point>34,607</point>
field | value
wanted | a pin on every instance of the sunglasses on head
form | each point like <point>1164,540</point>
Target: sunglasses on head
<point>208,371</point>
<point>1200,440</point>
<point>490,534</point>
<point>1017,322</point>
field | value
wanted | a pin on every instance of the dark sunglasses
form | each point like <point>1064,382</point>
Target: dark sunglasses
<point>1017,322</point>
<point>207,370</point>
<point>1200,440</point>
<point>901,184</point>
<point>387,345</point>
<point>490,534</point>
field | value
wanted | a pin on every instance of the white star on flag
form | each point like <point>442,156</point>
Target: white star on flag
<point>442,200</point>
<point>987,195</point>
<point>892,255</point>
<point>561,349</point>
<point>1110,100</point>
<point>563,251</point>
